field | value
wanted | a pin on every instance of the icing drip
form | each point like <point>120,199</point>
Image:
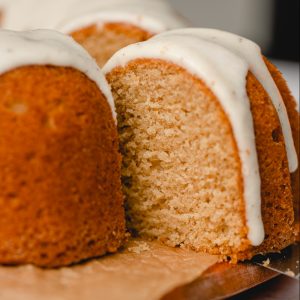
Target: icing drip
<point>45,47</point>
<point>223,61</point>
<point>251,52</point>
<point>69,15</point>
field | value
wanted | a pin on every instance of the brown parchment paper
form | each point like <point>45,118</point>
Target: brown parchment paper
<point>144,270</point>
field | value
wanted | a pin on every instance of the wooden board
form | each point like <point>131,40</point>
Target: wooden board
<point>218,282</point>
<point>222,281</point>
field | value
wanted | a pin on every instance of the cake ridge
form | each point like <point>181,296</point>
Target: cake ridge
<point>61,198</point>
<point>47,47</point>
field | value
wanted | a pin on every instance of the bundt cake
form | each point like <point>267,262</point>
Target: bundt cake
<point>101,26</point>
<point>60,190</point>
<point>205,129</point>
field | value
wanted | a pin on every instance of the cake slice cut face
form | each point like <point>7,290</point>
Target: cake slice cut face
<point>103,41</point>
<point>60,190</point>
<point>208,147</point>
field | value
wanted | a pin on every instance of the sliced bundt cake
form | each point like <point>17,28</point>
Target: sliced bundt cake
<point>60,189</point>
<point>207,143</point>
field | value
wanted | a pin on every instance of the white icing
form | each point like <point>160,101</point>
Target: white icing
<point>45,47</point>
<point>68,15</point>
<point>251,52</point>
<point>223,61</point>
<point>145,22</point>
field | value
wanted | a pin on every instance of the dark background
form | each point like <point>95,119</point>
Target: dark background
<point>285,43</point>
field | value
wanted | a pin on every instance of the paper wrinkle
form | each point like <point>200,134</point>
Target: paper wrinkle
<point>144,270</point>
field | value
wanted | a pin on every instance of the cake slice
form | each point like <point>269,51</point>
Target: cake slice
<point>205,128</point>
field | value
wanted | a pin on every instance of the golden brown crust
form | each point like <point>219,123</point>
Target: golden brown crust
<point>60,190</point>
<point>103,42</point>
<point>294,117</point>
<point>276,191</point>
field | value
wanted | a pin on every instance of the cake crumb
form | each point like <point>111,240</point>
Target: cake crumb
<point>290,273</point>
<point>267,262</point>
<point>139,248</point>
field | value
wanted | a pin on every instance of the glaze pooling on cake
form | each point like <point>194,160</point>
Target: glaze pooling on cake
<point>224,71</point>
<point>45,47</point>
<point>153,15</point>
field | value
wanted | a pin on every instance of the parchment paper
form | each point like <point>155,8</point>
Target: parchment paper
<point>144,270</point>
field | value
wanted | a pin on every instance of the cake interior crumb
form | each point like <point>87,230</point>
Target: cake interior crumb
<point>267,262</point>
<point>181,170</point>
<point>139,247</point>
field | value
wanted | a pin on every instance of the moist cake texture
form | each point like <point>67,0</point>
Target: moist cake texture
<point>184,170</point>
<point>103,42</point>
